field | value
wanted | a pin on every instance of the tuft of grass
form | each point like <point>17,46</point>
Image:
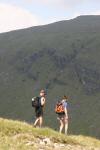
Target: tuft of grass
<point>86,141</point>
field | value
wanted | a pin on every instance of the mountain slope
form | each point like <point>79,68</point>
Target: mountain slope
<point>63,58</point>
<point>21,136</point>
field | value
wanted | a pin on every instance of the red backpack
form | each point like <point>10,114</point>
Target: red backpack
<point>59,108</point>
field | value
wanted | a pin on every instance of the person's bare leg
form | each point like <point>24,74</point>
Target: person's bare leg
<point>61,126</point>
<point>40,121</point>
<point>36,122</point>
<point>66,126</point>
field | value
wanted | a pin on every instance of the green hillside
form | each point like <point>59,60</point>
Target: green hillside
<point>15,135</point>
<point>63,58</point>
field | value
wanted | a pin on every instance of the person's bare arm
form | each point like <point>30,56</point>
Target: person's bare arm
<point>66,113</point>
<point>42,101</point>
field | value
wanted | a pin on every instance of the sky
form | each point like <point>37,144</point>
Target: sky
<point>19,14</point>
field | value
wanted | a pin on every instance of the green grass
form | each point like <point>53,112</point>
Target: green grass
<point>14,135</point>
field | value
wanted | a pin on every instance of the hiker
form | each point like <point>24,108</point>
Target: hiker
<point>39,109</point>
<point>62,111</point>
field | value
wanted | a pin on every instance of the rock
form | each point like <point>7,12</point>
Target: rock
<point>47,141</point>
<point>30,143</point>
<point>42,143</point>
<point>62,145</point>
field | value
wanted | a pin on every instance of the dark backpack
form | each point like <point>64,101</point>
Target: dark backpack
<point>36,102</point>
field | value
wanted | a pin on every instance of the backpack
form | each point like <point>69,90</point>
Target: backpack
<point>59,109</point>
<point>36,102</point>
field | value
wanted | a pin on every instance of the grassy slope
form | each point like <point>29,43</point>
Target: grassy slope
<point>23,74</point>
<point>15,135</point>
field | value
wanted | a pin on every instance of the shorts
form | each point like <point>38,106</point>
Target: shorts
<point>61,116</point>
<point>39,112</point>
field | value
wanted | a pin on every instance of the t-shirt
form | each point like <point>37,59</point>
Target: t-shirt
<point>65,104</point>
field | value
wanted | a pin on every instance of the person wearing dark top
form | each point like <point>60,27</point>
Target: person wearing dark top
<point>39,110</point>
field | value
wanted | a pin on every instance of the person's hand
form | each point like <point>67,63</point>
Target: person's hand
<point>58,118</point>
<point>66,117</point>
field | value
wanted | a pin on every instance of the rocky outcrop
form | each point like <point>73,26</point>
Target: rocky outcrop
<point>89,78</point>
<point>45,143</point>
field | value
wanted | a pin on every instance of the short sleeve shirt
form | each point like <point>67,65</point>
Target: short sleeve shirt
<point>65,104</point>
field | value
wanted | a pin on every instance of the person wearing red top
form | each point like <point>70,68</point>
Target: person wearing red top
<point>63,118</point>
